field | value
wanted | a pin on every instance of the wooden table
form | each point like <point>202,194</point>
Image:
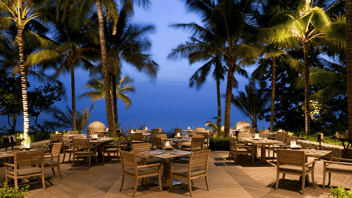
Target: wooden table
<point>166,178</point>
<point>98,142</point>
<point>345,147</point>
<point>263,143</point>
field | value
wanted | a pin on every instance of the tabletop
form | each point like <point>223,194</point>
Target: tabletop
<point>177,139</point>
<point>261,141</point>
<point>168,154</point>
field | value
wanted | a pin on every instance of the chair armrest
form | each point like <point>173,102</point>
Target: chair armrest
<point>8,164</point>
<point>244,146</point>
<point>178,164</point>
<point>50,157</point>
<point>341,163</point>
<point>310,163</point>
<point>148,166</point>
<point>340,159</point>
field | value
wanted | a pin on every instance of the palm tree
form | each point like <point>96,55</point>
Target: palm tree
<point>230,17</point>
<point>305,24</point>
<point>129,45</point>
<point>64,118</point>
<point>20,13</point>
<point>349,62</point>
<point>124,86</point>
<point>113,15</point>
<point>77,47</point>
<point>252,102</point>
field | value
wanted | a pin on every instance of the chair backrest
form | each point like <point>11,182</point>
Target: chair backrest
<point>263,133</point>
<point>56,137</point>
<point>290,157</point>
<point>244,135</point>
<point>199,158</point>
<point>128,159</point>
<point>136,137</point>
<point>197,143</point>
<point>200,130</point>
<point>81,144</point>
<point>281,136</point>
<point>197,135</point>
<point>154,131</point>
<point>56,150</point>
<point>141,147</point>
<point>161,135</point>
<point>156,142</point>
<point>160,130</point>
<point>140,131</point>
<point>72,132</point>
<point>29,158</point>
<point>233,144</point>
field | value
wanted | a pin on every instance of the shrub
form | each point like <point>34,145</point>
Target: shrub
<point>219,143</point>
<point>340,192</point>
<point>9,192</point>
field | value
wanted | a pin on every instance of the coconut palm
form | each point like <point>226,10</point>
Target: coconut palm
<point>128,45</point>
<point>306,24</point>
<point>77,48</point>
<point>20,13</point>
<point>124,86</point>
<point>252,102</point>
<point>230,17</point>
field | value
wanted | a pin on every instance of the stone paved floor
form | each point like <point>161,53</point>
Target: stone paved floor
<point>225,180</point>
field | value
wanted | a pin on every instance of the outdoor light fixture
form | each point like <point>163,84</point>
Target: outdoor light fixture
<point>256,136</point>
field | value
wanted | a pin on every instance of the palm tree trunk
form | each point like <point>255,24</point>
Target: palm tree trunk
<point>73,89</point>
<point>273,84</point>
<point>23,82</point>
<point>348,6</point>
<point>111,124</point>
<point>219,104</point>
<point>306,87</point>
<point>113,82</point>
<point>228,96</point>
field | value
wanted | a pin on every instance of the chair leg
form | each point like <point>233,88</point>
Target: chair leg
<point>135,186</point>
<point>73,160</point>
<point>159,180</point>
<point>206,182</point>
<point>103,157</point>
<point>58,170</point>
<point>43,180</point>
<point>303,183</point>
<point>69,157</point>
<point>190,186</point>
<point>89,159</point>
<point>7,179</point>
<point>63,159</point>
<point>53,170</point>
<point>283,178</point>
<point>16,181</point>
<point>329,179</point>
<point>324,175</point>
<point>313,178</point>
<point>277,180</point>
<point>123,178</point>
<point>234,161</point>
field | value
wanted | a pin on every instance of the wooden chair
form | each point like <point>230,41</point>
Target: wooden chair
<point>136,138</point>
<point>55,138</point>
<point>8,141</point>
<point>263,133</point>
<point>294,163</point>
<point>244,135</point>
<point>198,159</point>
<point>83,148</point>
<point>72,132</point>
<point>23,166</point>
<point>141,148</point>
<point>236,150</point>
<point>285,146</point>
<point>156,142</point>
<point>112,148</point>
<point>124,145</point>
<point>131,169</point>
<point>160,130</point>
<point>49,161</point>
<point>197,144</point>
<point>154,131</point>
<point>334,165</point>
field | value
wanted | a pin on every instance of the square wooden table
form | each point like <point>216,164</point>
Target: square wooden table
<point>166,178</point>
<point>262,142</point>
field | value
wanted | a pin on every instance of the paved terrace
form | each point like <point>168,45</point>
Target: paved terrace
<point>225,180</point>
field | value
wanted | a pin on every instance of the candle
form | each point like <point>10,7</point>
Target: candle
<point>56,132</point>
<point>256,136</point>
<point>293,144</point>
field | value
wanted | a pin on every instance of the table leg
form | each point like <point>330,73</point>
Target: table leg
<point>263,157</point>
<point>166,179</point>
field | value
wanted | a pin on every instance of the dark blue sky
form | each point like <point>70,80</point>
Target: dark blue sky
<point>166,102</point>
